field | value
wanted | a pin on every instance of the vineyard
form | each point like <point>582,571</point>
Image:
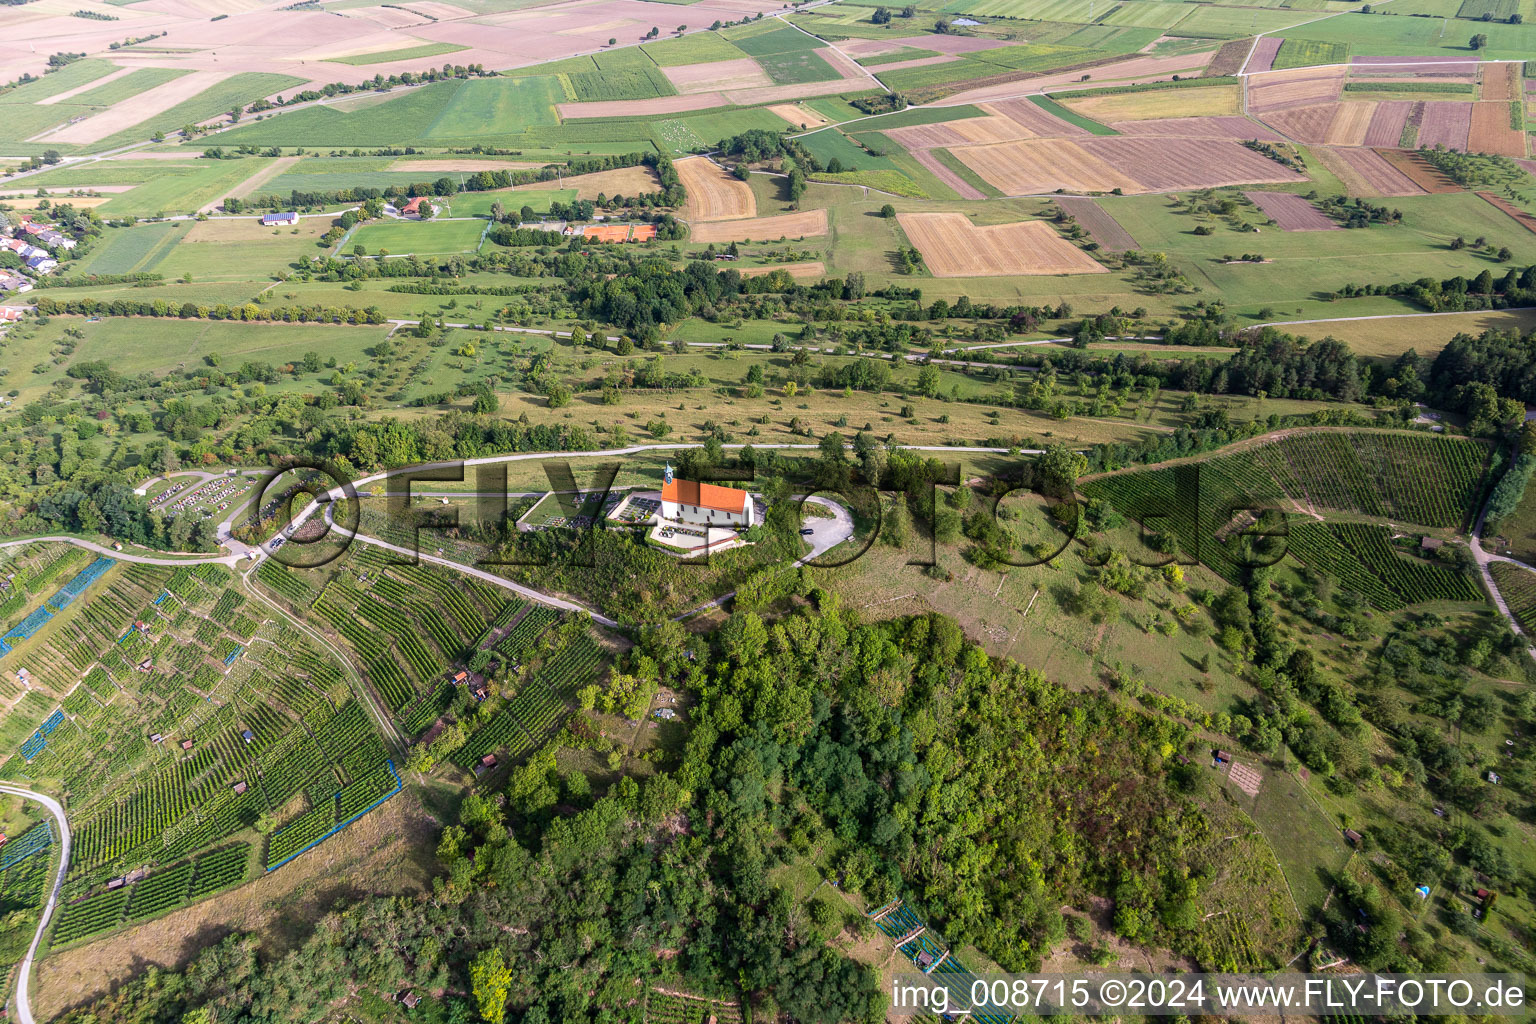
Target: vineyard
<point>1361,557</point>
<point>1424,479</point>
<point>407,624</point>
<point>332,814</point>
<point>159,892</point>
<point>182,711</point>
<point>675,1008</point>
<point>547,695</point>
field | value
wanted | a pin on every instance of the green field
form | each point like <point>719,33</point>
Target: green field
<point>217,99</point>
<point>423,238</point>
<point>1406,37</point>
<point>484,103</point>
<point>132,250</point>
<point>1301,53</point>
<point>404,53</point>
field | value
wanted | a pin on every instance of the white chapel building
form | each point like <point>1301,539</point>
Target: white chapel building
<point>701,504</point>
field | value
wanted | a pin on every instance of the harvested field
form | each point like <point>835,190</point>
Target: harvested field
<point>939,169</point>
<point>1199,128</point>
<point>1366,173</point>
<point>140,108</point>
<point>804,223</point>
<point>712,193</point>
<point>1387,124</point>
<point>1490,131</point>
<point>954,247</point>
<point>621,181</point>
<point>1263,56</point>
<point>1350,123</point>
<point>1211,101</point>
<point>1098,222</point>
<point>983,131</point>
<point>642,108</point>
<point>1304,124</point>
<point>1283,90</point>
<point>1419,171</point>
<point>1518,214</point>
<point>799,114</point>
<point>1163,164</point>
<point>1446,124</point>
<point>1499,82</point>
<point>1033,119</point>
<point>1291,212</point>
<point>445,166</point>
<point>798,271</point>
<point>743,73</point>
<point>1045,165</point>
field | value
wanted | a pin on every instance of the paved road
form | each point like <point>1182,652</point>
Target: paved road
<point>24,976</point>
<point>125,555</point>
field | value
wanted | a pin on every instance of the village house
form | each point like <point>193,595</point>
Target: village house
<point>272,220</point>
<point>688,501</point>
<point>421,207</point>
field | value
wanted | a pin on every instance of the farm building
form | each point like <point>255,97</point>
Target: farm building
<point>1220,757</point>
<point>1353,836</point>
<point>688,501</point>
<point>280,219</point>
<point>421,206</point>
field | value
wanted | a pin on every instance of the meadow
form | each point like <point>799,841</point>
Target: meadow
<point>421,237</point>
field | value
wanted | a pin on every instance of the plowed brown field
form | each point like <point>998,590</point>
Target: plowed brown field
<point>1419,171</point>
<point>714,194</point>
<point>1499,82</point>
<point>763,229</point>
<point>1491,132</point>
<point>1366,173</point>
<point>795,270</point>
<point>954,247</point>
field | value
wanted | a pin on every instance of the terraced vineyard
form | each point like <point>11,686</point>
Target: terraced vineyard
<point>1404,478</point>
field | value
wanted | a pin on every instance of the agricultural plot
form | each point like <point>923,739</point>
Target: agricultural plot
<point>804,224</point>
<point>424,238</point>
<point>1402,478</point>
<point>1291,212</point>
<point>1099,223</point>
<point>1367,173</point>
<point>1301,53</point>
<point>713,194</point>
<point>952,246</point>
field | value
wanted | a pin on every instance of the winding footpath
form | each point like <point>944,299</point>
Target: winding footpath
<point>24,973</point>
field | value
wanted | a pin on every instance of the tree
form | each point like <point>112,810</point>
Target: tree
<point>490,981</point>
<point>928,381</point>
<point>1478,41</point>
<point>888,211</point>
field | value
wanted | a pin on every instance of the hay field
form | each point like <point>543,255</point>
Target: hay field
<point>1043,165</point>
<point>954,247</point>
<point>1211,101</point>
<point>802,224</point>
<point>800,114</point>
<point>714,194</point>
<point>621,181</point>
